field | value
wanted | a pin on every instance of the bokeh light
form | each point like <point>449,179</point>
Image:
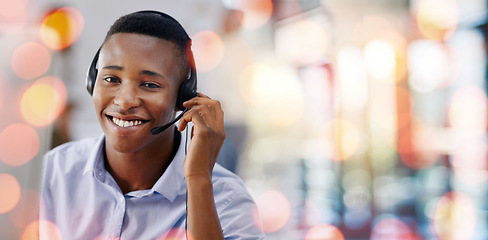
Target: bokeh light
<point>208,50</point>
<point>382,116</point>
<point>105,236</point>
<point>42,229</point>
<point>11,9</point>
<point>61,28</point>
<point>357,198</point>
<point>13,25</point>
<point>27,210</point>
<point>176,234</point>
<point>44,101</point>
<point>428,65</point>
<point>256,12</point>
<point>30,60</point>
<point>9,192</point>
<point>437,19</point>
<point>266,149</point>
<point>274,209</point>
<point>303,42</point>
<point>3,88</point>
<point>417,146</point>
<point>404,104</point>
<point>353,81</point>
<point>455,217</point>
<point>277,91</point>
<point>324,232</point>
<point>467,111</point>
<point>392,228</point>
<point>357,218</point>
<point>400,44</point>
<point>469,162</point>
<point>370,27</point>
<point>19,143</point>
<point>380,59</point>
<point>344,139</point>
<point>356,177</point>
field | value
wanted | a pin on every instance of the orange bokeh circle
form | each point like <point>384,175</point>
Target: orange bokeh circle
<point>30,60</point>
<point>42,229</point>
<point>274,211</point>
<point>209,50</point>
<point>27,210</point>
<point>44,101</point>
<point>324,232</point>
<point>19,143</point>
<point>455,216</point>
<point>61,28</point>
<point>256,13</point>
<point>9,8</point>
<point>9,192</point>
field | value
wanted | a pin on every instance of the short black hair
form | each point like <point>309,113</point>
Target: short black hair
<point>155,24</point>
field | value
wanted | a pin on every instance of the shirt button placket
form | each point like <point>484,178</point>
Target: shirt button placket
<point>118,218</point>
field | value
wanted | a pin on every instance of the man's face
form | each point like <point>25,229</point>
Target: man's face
<point>136,89</point>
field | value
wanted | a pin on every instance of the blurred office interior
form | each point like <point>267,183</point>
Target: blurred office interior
<point>346,119</point>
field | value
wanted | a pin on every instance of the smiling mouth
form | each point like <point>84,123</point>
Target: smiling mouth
<point>126,123</point>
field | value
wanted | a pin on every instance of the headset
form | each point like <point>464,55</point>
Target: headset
<point>187,90</point>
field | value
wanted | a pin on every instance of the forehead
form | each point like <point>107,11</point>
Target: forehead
<point>141,50</point>
<point>130,42</point>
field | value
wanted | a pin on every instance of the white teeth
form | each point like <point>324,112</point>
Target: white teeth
<point>122,123</point>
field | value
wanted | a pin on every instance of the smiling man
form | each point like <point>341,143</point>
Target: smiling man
<point>138,180</point>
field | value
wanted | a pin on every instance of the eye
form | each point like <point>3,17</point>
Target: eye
<point>150,85</point>
<point>111,80</point>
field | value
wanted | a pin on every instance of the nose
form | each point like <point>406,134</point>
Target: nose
<point>127,97</point>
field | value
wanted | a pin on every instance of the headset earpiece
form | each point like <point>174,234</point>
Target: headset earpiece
<point>91,76</point>
<point>188,88</point>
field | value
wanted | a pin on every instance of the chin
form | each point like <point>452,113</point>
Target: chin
<point>124,144</point>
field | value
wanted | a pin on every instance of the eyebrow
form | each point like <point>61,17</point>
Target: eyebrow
<point>143,72</point>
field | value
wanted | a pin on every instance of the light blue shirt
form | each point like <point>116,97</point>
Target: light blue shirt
<point>83,200</point>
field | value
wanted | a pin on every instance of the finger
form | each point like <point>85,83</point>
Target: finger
<point>182,124</point>
<point>200,94</point>
<point>197,101</point>
<point>194,115</point>
<point>213,105</point>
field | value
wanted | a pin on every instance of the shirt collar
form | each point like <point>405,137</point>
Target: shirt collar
<point>170,184</point>
<point>95,159</point>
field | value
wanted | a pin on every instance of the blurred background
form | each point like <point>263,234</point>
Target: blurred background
<point>347,119</point>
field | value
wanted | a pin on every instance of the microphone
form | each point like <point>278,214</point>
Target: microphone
<point>160,129</point>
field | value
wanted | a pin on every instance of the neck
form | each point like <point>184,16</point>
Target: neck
<point>140,170</point>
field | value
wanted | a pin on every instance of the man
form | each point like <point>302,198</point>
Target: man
<point>134,184</point>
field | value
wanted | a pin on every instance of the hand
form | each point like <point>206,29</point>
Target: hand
<point>207,136</point>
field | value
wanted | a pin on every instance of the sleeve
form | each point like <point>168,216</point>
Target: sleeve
<point>45,202</point>
<point>239,218</point>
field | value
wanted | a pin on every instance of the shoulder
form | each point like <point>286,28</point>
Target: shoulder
<point>228,187</point>
<point>72,149</point>
<point>235,206</point>
<point>71,154</point>
<point>222,177</point>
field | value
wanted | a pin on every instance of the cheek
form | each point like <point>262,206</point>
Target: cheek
<point>99,100</point>
<point>162,106</point>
